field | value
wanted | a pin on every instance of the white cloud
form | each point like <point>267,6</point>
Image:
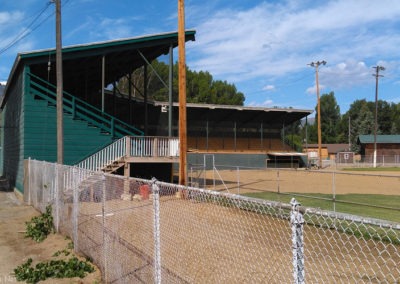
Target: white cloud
<point>273,40</point>
<point>266,103</point>
<point>313,90</point>
<point>269,88</point>
<point>9,18</point>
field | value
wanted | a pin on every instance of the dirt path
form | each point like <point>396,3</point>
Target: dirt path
<point>16,249</point>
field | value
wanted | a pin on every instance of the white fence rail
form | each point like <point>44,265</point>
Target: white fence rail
<point>106,156</point>
<point>133,146</point>
<point>154,147</point>
<point>142,231</point>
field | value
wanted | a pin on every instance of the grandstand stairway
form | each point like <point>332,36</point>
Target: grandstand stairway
<point>87,129</point>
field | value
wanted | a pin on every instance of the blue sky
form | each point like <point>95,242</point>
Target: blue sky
<point>263,47</point>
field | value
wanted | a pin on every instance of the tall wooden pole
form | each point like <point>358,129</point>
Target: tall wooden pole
<point>319,118</point>
<point>182,93</point>
<point>316,65</point>
<point>59,74</point>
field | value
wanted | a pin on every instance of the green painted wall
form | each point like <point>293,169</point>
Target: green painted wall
<point>13,122</point>
<point>80,139</point>
<point>29,131</point>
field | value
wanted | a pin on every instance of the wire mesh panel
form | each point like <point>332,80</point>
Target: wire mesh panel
<point>209,237</point>
<point>144,231</point>
<point>128,231</point>
<point>343,249</point>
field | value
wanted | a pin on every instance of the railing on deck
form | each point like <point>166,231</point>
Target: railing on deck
<point>131,146</point>
<point>154,147</point>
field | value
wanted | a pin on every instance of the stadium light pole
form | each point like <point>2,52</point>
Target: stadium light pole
<point>376,75</point>
<point>316,66</point>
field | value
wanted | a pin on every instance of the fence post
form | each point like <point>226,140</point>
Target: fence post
<point>156,230</point>
<point>57,197</point>
<point>297,222</point>
<point>103,221</point>
<point>238,179</point>
<point>75,208</point>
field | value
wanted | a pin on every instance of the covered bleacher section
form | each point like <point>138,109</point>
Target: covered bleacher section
<point>91,72</point>
<point>220,128</point>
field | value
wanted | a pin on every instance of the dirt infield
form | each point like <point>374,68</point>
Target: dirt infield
<point>204,240</point>
<point>303,181</point>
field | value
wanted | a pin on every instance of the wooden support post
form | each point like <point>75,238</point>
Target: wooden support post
<point>182,93</point>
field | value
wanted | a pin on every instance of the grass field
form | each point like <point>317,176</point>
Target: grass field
<point>384,207</point>
<point>388,169</point>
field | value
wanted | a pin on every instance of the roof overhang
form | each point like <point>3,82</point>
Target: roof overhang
<point>82,64</point>
<point>277,117</point>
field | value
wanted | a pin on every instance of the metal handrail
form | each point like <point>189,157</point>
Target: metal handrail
<point>131,146</point>
<point>98,161</point>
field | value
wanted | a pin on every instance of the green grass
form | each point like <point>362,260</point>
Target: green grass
<point>378,169</point>
<point>365,205</point>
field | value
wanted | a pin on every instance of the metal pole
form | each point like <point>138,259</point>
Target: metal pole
<point>156,232</point>
<point>170,90</point>
<point>297,222</point>
<point>60,127</point>
<point>307,140</point>
<point>130,97</point>
<point>377,68</point>
<point>103,72</point>
<point>182,93</point>
<point>146,110</point>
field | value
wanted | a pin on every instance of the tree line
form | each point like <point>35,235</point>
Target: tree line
<point>335,128</point>
<point>358,120</point>
<point>200,86</point>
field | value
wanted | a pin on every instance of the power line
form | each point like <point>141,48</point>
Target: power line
<point>29,29</point>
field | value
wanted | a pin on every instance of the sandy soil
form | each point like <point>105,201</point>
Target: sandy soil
<point>16,249</point>
<point>302,181</point>
<point>200,219</point>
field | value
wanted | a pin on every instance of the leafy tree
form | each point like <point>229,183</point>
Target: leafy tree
<point>395,118</point>
<point>362,125</point>
<point>330,118</point>
<point>200,86</point>
<point>293,135</point>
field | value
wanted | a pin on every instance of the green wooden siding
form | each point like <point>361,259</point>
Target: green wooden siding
<point>30,131</point>
<point>13,121</point>
<point>80,139</point>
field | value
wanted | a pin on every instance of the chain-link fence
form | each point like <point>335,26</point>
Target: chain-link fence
<point>375,195</point>
<point>142,231</point>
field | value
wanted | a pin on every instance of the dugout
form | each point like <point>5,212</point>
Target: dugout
<point>286,160</point>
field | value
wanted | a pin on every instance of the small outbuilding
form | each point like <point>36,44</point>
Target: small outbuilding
<point>387,147</point>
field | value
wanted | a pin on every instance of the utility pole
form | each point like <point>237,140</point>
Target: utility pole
<point>316,65</point>
<point>59,74</point>
<point>349,136</point>
<point>182,93</point>
<point>376,75</point>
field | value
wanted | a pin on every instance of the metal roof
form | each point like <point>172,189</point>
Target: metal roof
<point>367,139</point>
<point>82,67</point>
<point>245,115</point>
<point>82,64</point>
